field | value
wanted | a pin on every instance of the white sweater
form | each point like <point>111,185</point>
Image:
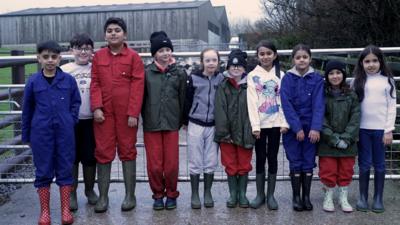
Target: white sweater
<point>83,77</point>
<point>263,99</point>
<point>378,109</point>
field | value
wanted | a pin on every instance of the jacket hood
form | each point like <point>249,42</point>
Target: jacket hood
<point>295,72</point>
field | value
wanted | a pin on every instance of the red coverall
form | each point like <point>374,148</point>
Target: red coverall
<point>117,89</point>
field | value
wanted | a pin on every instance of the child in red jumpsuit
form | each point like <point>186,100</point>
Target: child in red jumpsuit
<point>116,94</point>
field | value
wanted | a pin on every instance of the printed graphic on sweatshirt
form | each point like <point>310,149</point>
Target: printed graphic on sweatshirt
<point>83,79</point>
<point>270,90</point>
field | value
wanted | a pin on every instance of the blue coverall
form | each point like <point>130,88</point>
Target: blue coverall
<point>50,112</point>
<point>304,106</point>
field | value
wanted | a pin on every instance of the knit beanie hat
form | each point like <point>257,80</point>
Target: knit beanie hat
<point>237,58</point>
<point>334,64</point>
<point>159,39</point>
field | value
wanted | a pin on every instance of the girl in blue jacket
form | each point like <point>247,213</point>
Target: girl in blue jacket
<point>302,96</point>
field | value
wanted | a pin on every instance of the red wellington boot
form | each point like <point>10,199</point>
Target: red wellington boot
<point>44,198</point>
<point>66,216</point>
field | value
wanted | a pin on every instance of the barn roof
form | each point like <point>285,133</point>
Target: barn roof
<point>107,8</point>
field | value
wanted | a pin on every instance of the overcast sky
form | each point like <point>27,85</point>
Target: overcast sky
<point>236,9</point>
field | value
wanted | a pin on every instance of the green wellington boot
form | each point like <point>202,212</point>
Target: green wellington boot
<point>233,190</point>
<point>73,201</point>
<point>208,199</point>
<point>271,202</point>
<point>89,177</point>
<point>129,171</point>
<point>260,185</point>
<point>242,183</point>
<point>194,183</point>
<point>103,183</point>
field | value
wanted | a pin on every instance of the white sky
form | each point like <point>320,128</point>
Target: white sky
<point>236,9</point>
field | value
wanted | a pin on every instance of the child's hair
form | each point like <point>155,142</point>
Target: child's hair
<point>360,77</point>
<point>81,39</point>
<point>299,47</point>
<point>115,20</point>
<point>270,45</point>
<point>51,46</point>
<point>202,57</point>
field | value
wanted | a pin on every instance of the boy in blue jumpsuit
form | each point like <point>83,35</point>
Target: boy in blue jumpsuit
<point>50,112</point>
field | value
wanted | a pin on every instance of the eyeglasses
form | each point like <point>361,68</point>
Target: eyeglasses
<point>79,49</point>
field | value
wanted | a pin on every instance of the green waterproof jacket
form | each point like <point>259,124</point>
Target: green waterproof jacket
<point>232,124</point>
<point>164,98</point>
<point>341,121</point>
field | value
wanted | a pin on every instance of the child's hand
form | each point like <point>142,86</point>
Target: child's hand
<point>314,136</point>
<point>388,138</point>
<point>256,134</point>
<point>132,121</point>
<point>98,115</point>
<point>300,135</point>
<point>284,130</point>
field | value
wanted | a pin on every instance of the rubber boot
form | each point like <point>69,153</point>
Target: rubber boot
<point>195,199</point>
<point>296,184</point>
<point>344,203</point>
<point>208,181</point>
<point>129,171</point>
<point>306,186</point>
<point>328,205</point>
<point>233,190</point>
<point>362,203</point>
<point>271,202</point>
<point>44,199</point>
<point>242,183</point>
<point>66,216</point>
<point>103,183</point>
<point>89,177</point>
<point>379,182</point>
<point>73,202</point>
<point>260,185</point>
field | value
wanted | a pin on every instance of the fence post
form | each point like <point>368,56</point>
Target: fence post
<point>18,77</point>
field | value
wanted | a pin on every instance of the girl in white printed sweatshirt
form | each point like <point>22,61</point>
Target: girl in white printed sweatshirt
<point>267,119</point>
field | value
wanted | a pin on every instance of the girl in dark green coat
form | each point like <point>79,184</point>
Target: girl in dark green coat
<point>337,148</point>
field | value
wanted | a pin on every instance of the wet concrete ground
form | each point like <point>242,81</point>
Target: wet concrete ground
<point>23,209</point>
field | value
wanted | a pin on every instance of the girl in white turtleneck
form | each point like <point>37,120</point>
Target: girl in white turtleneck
<point>376,91</point>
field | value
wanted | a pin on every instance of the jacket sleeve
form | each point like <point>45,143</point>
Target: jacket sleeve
<point>350,135</point>
<point>137,87</point>
<point>221,117</point>
<point>28,109</point>
<point>391,108</point>
<point>182,93</point>
<point>252,106</point>
<point>96,98</point>
<point>75,101</point>
<point>287,105</point>
<point>282,118</point>
<point>318,103</point>
<point>188,100</point>
<point>330,137</point>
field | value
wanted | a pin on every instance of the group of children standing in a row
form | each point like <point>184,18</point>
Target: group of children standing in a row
<point>234,112</point>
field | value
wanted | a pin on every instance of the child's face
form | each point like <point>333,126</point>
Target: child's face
<point>335,77</point>
<point>49,60</point>
<point>82,54</point>
<point>266,57</point>
<point>371,64</point>
<point>301,60</point>
<point>163,55</point>
<point>210,62</point>
<point>115,35</point>
<point>236,71</point>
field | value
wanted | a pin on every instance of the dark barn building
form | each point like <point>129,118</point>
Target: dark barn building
<point>195,23</point>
